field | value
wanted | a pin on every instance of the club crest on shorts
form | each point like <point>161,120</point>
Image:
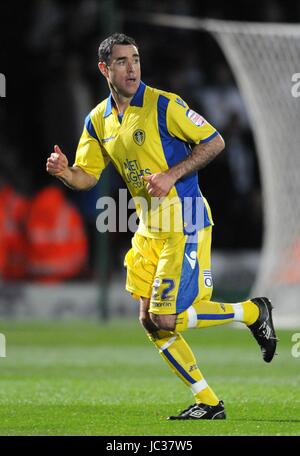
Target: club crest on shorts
<point>195,118</point>
<point>155,287</point>
<point>139,137</point>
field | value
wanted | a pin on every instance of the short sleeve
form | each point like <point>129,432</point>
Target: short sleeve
<point>188,125</point>
<point>90,155</point>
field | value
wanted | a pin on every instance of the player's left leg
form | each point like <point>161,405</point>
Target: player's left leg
<point>202,314</point>
<point>183,285</point>
<point>194,308</point>
<point>255,313</point>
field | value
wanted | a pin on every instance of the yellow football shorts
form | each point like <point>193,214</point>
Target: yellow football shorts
<point>172,272</point>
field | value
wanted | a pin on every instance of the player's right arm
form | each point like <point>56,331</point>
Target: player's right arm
<point>91,158</point>
<point>73,177</point>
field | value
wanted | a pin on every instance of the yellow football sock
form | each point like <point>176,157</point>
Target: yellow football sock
<point>251,312</point>
<point>203,314</point>
<point>180,358</point>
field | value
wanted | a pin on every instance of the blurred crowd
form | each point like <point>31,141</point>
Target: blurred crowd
<point>49,57</point>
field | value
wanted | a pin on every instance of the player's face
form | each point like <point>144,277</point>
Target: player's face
<point>124,70</point>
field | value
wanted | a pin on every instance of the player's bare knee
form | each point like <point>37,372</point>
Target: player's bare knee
<point>147,323</point>
<point>166,322</point>
<point>144,317</point>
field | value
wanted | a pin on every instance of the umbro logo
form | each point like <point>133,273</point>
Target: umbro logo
<point>198,413</point>
<point>105,140</point>
<point>191,258</point>
<point>266,330</point>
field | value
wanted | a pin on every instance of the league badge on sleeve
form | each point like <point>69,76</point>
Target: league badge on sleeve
<point>195,118</point>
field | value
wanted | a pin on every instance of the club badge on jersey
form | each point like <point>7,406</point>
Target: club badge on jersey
<point>139,137</point>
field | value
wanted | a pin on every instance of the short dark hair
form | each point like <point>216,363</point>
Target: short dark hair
<point>105,48</point>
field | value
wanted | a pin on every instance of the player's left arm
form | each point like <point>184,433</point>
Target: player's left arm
<point>188,126</point>
<point>201,155</point>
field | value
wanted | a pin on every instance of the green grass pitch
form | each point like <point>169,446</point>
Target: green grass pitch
<point>86,378</point>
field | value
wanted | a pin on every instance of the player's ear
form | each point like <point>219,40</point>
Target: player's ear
<point>103,68</point>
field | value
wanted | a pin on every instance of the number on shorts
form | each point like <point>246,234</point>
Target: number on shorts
<point>170,286</point>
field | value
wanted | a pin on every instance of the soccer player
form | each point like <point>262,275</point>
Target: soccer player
<point>147,134</point>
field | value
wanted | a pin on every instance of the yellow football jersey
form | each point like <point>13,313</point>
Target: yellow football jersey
<point>154,134</point>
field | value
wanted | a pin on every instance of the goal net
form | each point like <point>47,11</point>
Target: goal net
<point>265,59</point>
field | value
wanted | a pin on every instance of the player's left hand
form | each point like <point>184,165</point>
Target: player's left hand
<point>159,184</point>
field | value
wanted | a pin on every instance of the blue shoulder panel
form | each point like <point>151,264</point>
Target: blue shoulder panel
<point>90,127</point>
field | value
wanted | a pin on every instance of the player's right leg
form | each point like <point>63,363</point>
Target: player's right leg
<point>180,358</point>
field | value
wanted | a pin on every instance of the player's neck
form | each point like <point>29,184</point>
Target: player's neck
<point>121,102</point>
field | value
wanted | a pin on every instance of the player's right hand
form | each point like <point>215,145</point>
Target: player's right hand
<point>57,163</point>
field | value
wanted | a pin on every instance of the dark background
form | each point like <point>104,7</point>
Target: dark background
<point>49,57</point>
